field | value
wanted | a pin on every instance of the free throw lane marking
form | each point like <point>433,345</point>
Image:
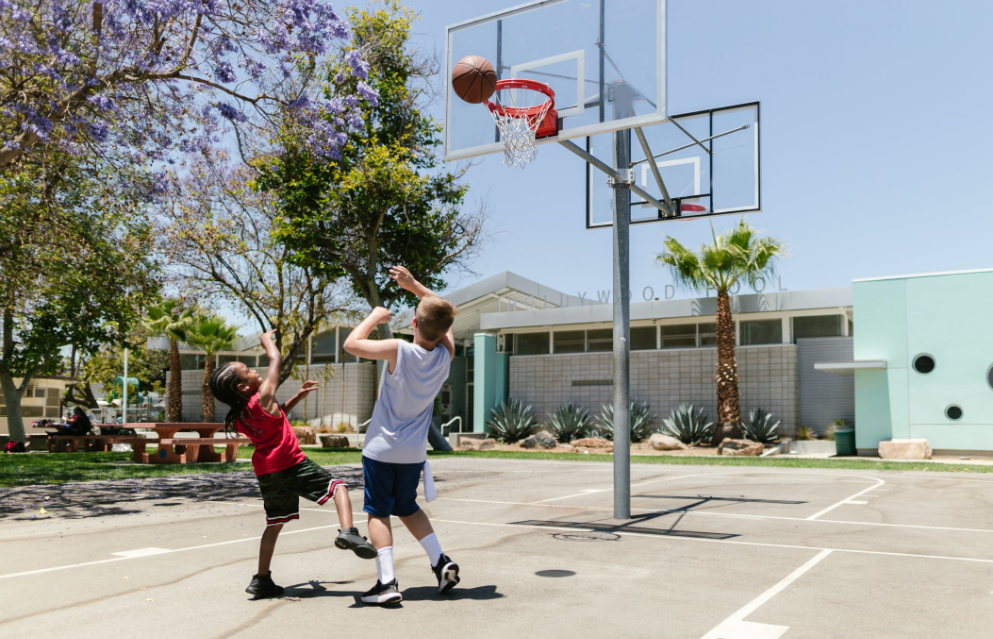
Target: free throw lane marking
<point>856,503</point>
<point>140,552</point>
<point>735,626</point>
<point>847,499</point>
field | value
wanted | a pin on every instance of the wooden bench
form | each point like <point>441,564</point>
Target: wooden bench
<point>188,450</point>
<point>89,443</point>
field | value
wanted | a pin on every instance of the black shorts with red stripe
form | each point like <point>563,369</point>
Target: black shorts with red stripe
<point>282,490</point>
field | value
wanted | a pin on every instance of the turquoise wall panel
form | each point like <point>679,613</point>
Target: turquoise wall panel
<point>880,312</point>
<point>485,367</point>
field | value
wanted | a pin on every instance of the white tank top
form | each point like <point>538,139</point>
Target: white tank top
<point>398,432</point>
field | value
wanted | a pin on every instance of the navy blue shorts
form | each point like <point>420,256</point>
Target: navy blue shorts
<point>390,489</point>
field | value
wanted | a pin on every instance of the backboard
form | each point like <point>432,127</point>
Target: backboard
<point>708,162</point>
<point>604,59</point>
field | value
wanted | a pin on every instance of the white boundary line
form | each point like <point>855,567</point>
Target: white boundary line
<point>847,499</point>
<point>735,627</point>
<point>607,490</point>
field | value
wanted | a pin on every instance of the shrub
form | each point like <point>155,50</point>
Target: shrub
<point>761,429</point>
<point>642,421</point>
<point>512,421</point>
<point>569,422</point>
<point>689,425</point>
<point>804,433</point>
<point>297,423</point>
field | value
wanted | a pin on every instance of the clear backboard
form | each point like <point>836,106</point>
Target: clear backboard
<point>708,162</point>
<point>604,59</point>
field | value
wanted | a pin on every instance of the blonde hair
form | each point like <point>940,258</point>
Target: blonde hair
<point>434,317</point>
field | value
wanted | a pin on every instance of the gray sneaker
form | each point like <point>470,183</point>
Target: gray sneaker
<point>350,539</point>
<point>383,594</point>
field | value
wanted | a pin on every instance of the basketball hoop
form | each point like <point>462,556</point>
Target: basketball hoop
<point>523,110</point>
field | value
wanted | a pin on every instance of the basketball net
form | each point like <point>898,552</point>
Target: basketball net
<point>518,107</point>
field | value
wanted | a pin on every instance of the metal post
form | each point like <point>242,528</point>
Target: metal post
<point>622,326</point>
<point>124,405</point>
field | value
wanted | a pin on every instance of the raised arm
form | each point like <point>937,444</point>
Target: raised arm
<point>407,282</point>
<point>358,343</point>
<point>267,392</point>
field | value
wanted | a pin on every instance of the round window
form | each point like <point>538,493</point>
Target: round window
<point>924,364</point>
<point>953,413</point>
<point>989,376</point>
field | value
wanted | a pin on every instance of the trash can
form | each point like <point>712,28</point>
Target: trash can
<point>844,441</point>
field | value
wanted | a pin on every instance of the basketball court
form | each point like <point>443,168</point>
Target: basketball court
<point>710,553</point>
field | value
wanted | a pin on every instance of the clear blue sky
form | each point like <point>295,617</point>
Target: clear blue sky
<point>876,142</point>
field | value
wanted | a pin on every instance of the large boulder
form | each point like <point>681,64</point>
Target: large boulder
<point>905,449</point>
<point>334,441</point>
<point>592,442</point>
<point>658,441</point>
<point>305,434</point>
<point>477,444</point>
<point>541,440</point>
<point>740,448</point>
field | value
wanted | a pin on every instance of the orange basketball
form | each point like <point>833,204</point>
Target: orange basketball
<point>474,79</point>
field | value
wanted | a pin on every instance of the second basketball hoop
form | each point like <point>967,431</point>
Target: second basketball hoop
<point>523,110</point>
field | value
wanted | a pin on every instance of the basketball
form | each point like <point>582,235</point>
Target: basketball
<point>474,79</point>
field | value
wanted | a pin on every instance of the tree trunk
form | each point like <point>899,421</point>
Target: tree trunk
<point>174,393</point>
<point>207,412</point>
<point>12,400</point>
<point>726,376</point>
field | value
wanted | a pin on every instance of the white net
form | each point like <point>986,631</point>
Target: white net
<point>518,112</point>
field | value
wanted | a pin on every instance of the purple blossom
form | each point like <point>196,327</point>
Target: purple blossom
<point>368,93</point>
<point>224,72</point>
<point>229,112</point>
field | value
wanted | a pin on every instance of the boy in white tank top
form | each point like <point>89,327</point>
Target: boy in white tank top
<point>395,451</point>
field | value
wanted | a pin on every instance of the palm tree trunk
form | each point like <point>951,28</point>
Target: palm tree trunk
<point>174,393</point>
<point>726,375</point>
<point>207,412</point>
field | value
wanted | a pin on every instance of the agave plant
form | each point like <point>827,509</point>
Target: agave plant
<point>804,433</point>
<point>569,422</point>
<point>689,425</point>
<point>512,421</point>
<point>642,421</point>
<point>761,429</point>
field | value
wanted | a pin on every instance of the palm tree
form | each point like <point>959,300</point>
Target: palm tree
<point>735,256</point>
<point>168,319</point>
<point>210,335</point>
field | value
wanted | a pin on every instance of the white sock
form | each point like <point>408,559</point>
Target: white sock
<point>432,547</point>
<point>384,564</point>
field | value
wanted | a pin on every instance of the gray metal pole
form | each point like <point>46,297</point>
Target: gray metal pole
<point>622,327</point>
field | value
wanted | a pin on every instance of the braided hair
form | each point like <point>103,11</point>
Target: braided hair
<point>223,384</point>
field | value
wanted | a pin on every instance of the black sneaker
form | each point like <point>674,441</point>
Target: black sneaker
<point>383,594</point>
<point>350,539</point>
<point>447,572</point>
<point>263,587</point>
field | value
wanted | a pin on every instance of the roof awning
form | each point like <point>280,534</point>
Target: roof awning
<point>847,369</point>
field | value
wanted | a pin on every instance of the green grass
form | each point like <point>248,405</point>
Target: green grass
<point>61,468</point>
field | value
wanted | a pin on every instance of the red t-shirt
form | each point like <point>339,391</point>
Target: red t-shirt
<point>276,446</point>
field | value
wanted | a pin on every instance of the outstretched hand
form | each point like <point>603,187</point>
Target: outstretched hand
<point>402,277</point>
<point>308,386</point>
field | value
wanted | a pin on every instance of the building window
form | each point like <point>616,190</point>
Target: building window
<point>323,347</point>
<point>601,340</point>
<point>924,364</point>
<point>343,334</point>
<point>708,334</point>
<point>953,413</point>
<point>192,362</point>
<point>569,341</point>
<point>989,377</point>
<point>816,326</point>
<point>680,336</point>
<point>40,392</point>
<point>761,332</point>
<point>531,344</point>
<point>642,338</point>
<point>32,411</point>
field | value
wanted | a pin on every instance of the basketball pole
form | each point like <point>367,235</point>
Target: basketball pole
<point>622,325</point>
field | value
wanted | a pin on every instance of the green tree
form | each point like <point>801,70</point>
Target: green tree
<point>168,318</point>
<point>75,265</point>
<point>210,335</point>
<point>736,256</point>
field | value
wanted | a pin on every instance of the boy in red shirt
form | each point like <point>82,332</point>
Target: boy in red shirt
<point>284,472</point>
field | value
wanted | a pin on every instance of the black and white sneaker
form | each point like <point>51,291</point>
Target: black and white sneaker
<point>447,572</point>
<point>350,539</point>
<point>263,587</point>
<point>383,594</point>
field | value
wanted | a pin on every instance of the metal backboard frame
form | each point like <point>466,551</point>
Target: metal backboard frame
<point>605,60</point>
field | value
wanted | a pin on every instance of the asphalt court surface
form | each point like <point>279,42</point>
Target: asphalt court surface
<point>711,553</point>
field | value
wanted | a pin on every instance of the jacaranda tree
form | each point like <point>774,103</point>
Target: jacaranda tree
<point>157,76</point>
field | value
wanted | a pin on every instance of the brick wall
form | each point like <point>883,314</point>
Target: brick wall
<point>665,378</point>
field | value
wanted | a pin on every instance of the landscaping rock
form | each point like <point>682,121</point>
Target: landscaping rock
<point>658,441</point>
<point>539,441</point>
<point>740,448</point>
<point>905,449</point>
<point>305,434</point>
<point>334,441</point>
<point>477,444</point>
<point>592,442</point>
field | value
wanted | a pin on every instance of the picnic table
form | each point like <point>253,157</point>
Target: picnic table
<point>185,450</point>
<point>88,442</point>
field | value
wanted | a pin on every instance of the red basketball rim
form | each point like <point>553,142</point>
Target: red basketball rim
<point>522,112</point>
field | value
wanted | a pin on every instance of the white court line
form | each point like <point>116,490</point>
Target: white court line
<point>590,491</point>
<point>846,499</point>
<point>735,626</point>
<point>856,503</point>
